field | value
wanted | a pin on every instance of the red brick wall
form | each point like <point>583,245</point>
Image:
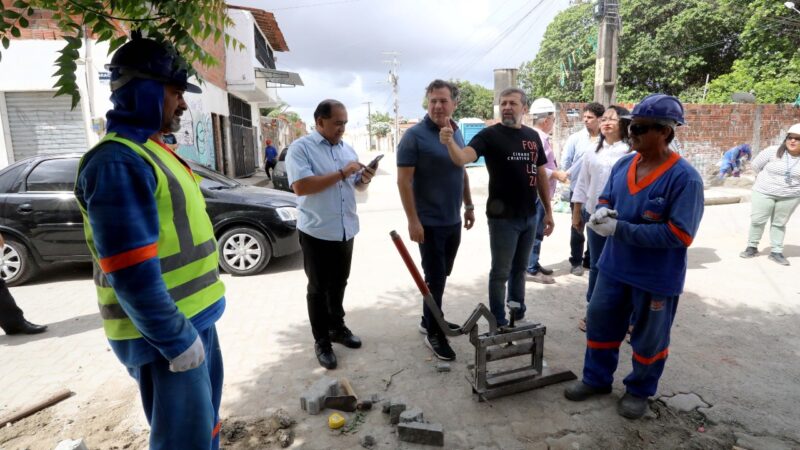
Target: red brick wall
<point>710,129</point>
<point>214,74</point>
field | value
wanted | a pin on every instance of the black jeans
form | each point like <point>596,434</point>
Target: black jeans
<point>576,241</point>
<point>10,314</point>
<point>438,256</point>
<point>269,165</point>
<point>327,266</point>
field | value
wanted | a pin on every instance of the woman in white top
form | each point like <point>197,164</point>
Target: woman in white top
<point>776,194</point>
<point>596,169</point>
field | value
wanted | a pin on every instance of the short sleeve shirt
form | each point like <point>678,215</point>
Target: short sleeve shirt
<point>512,157</point>
<point>438,183</point>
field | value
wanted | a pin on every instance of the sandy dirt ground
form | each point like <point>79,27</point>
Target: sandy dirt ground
<point>733,364</point>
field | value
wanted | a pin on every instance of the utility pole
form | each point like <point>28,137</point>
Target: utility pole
<point>393,65</point>
<point>369,125</point>
<point>605,72</point>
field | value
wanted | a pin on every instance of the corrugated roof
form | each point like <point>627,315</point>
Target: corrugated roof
<point>269,26</point>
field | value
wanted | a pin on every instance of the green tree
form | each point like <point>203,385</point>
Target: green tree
<point>770,63</point>
<point>181,22</point>
<point>381,124</point>
<point>668,47</point>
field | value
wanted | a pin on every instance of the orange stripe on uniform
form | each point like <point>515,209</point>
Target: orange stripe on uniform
<point>597,345</point>
<point>682,235</point>
<point>634,187</point>
<point>602,201</point>
<point>647,361</point>
<point>216,429</point>
<point>129,258</point>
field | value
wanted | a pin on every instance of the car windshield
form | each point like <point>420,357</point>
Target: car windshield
<point>213,180</point>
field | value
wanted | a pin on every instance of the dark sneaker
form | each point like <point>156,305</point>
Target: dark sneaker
<point>544,270</point>
<point>778,258</point>
<point>345,337</point>
<point>325,355</point>
<point>631,406</point>
<point>424,330</point>
<point>749,252</point>
<point>580,391</point>
<point>440,347</point>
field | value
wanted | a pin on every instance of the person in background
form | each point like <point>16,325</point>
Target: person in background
<point>270,157</point>
<point>12,320</point>
<point>776,194</point>
<point>578,144</point>
<point>596,169</point>
<point>732,161</point>
<point>544,119</point>
<point>650,211</point>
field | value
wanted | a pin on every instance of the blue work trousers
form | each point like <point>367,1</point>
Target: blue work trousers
<point>596,244</point>
<point>183,408</point>
<point>614,306</point>
<point>510,243</point>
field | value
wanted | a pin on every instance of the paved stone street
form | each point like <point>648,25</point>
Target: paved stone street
<point>734,353</point>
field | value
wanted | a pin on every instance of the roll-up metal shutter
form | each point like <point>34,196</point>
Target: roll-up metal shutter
<point>41,124</point>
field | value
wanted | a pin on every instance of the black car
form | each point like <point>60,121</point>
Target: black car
<point>41,222</point>
<point>280,179</point>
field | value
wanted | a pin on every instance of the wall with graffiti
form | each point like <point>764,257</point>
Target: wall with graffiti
<point>196,136</point>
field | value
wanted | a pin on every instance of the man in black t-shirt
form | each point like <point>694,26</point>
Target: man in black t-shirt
<point>514,158</point>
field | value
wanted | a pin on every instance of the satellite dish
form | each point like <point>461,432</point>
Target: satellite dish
<point>743,97</point>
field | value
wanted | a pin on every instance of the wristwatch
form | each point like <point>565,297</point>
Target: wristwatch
<point>469,207</point>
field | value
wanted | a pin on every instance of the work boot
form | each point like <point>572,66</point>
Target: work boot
<point>325,354</point>
<point>579,391</point>
<point>749,252</point>
<point>631,406</point>
<point>440,347</point>
<point>424,330</point>
<point>25,327</point>
<point>345,337</point>
<point>778,258</point>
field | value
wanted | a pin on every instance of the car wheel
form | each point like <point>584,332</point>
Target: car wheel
<point>17,265</point>
<point>244,251</point>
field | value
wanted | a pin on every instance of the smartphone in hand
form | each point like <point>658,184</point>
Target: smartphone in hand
<point>374,163</point>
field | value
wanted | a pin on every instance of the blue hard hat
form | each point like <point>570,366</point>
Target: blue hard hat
<point>150,59</point>
<point>659,106</point>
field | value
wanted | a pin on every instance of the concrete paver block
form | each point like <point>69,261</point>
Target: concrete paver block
<point>411,415</point>
<point>684,402</point>
<point>313,400</point>
<point>421,433</point>
<point>396,406</point>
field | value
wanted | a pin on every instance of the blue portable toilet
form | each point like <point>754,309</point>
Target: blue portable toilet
<point>469,128</point>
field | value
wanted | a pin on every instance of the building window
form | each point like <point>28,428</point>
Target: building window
<point>240,112</point>
<point>263,52</point>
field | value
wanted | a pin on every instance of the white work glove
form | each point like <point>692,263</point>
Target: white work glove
<point>601,215</point>
<point>189,359</point>
<point>605,228</point>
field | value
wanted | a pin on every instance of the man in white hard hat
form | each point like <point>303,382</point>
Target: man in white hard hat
<point>544,119</point>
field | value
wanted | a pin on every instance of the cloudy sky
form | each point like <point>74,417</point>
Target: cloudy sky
<point>338,46</point>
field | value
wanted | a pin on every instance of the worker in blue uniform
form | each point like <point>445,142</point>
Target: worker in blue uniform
<point>650,211</point>
<point>154,251</point>
<point>731,162</point>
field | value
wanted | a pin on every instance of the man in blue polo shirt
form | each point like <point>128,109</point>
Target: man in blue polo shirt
<point>324,172</point>
<point>432,189</point>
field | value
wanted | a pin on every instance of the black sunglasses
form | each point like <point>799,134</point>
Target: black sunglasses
<point>639,129</point>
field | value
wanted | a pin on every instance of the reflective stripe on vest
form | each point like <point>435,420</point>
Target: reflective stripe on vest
<point>190,271</point>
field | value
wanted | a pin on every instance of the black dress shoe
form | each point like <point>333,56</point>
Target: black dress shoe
<point>325,355</point>
<point>345,337</point>
<point>25,327</point>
